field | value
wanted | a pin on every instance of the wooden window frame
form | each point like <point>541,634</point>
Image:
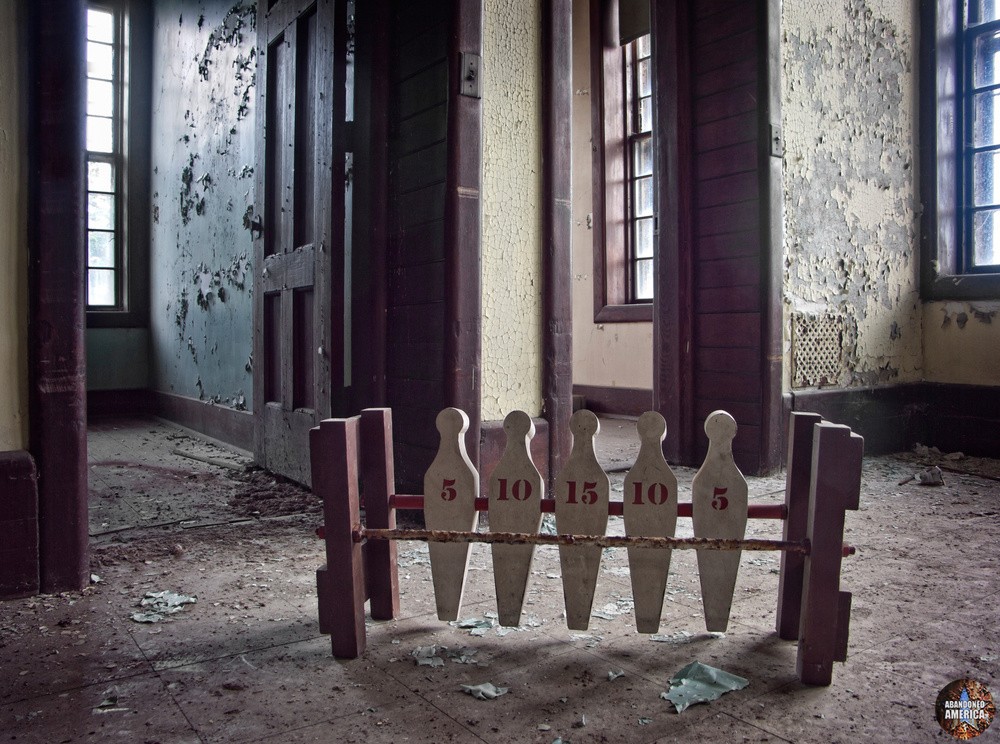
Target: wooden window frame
<point>130,158</point>
<point>610,172</point>
<point>945,167</point>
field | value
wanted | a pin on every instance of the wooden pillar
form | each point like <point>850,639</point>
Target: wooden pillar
<point>463,227</point>
<point>557,343</point>
<point>56,104</point>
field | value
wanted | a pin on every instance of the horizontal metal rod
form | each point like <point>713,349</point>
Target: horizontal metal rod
<point>359,534</point>
<point>615,508</point>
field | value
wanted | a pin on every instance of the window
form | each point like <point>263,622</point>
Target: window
<point>960,149</point>
<point>623,216</point>
<point>639,128</point>
<point>981,45</point>
<point>105,103</point>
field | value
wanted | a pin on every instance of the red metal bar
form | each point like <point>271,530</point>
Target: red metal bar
<point>754,511</point>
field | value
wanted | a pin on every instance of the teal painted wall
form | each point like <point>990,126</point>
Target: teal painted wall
<point>202,190</point>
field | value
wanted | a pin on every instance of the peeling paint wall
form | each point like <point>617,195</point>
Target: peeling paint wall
<point>851,222</point>
<point>13,240</point>
<point>512,218</point>
<point>604,354</point>
<point>962,342</point>
<point>203,159</point>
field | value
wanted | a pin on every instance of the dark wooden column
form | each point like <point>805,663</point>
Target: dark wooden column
<point>557,342</point>
<point>463,228</point>
<point>56,103</point>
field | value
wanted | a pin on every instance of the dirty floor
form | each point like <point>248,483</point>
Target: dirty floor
<point>245,662</point>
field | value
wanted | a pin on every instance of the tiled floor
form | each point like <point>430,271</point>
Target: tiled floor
<point>246,662</point>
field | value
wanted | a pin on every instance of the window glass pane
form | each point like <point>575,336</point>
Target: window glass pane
<point>101,287</point>
<point>100,135</point>
<point>643,80</point>
<point>986,123</point>
<point>642,46</point>
<point>644,279</point>
<point>100,176</point>
<point>642,162</point>
<point>100,212</point>
<point>644,238</point>
<point>643,195</point>
<point>986,62</point>
<point>646,115</point>
<point>100,98</point>
<point>100,26</point>
<point>100,61</point>
<point>101,249</point>
<point>986,234</point>
<point>985,184</point>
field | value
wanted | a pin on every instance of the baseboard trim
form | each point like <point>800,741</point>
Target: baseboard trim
<point>111,403</point>
<point>219,422</point>
<point>19,554</point>
<point>615,400</point>
<point>951,417</point>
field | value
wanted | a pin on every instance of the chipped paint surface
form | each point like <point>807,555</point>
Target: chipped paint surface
<point>512,221</point>
<point>604,354</point>
<point>202,191</point>
<point>962,342</point>
<point>13,242</point>
<point>851,222</point>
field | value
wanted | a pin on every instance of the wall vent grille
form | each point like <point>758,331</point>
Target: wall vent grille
<point>817,350</point>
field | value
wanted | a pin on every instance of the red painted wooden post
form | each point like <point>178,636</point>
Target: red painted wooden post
<point>379,481</point>
<point>835,487</point>
<point>799,462</point>
<point>341,583</point>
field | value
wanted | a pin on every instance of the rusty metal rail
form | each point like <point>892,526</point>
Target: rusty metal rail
<point>360,534</point>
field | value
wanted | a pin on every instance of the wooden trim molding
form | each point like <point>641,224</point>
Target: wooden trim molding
<point>219,422</point>
<point>19,565</point>
<point>615,400</point>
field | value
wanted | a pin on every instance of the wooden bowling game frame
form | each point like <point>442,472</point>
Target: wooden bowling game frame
<point>354,457</point>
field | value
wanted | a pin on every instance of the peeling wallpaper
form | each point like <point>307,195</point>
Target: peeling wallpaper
<point>604,354</point>
<point>851,220</point>
<point>13,243</point>
<point>203,158</point>
<point>512,220</point>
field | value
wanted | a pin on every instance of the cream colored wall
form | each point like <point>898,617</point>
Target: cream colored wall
<point>13,242</point>
<point>604,354</point>
<point>850,192</point>
<point>512,217</point>
<point>962,342</point>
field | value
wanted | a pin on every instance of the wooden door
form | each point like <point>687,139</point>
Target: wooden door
<point>299,245</point>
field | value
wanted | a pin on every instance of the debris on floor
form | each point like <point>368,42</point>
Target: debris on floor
<point>932,476</point>
<point>700,683</point>
<point>160,605</point>
<point>485,691</point>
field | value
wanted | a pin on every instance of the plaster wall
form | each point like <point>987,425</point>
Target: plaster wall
<point>13,240</point>
<point>962,342</point>
<point>604,354</point>
<point>117,358</point>
<point>850,196</point>
<point>203,158</point>
<point>511,216</point>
